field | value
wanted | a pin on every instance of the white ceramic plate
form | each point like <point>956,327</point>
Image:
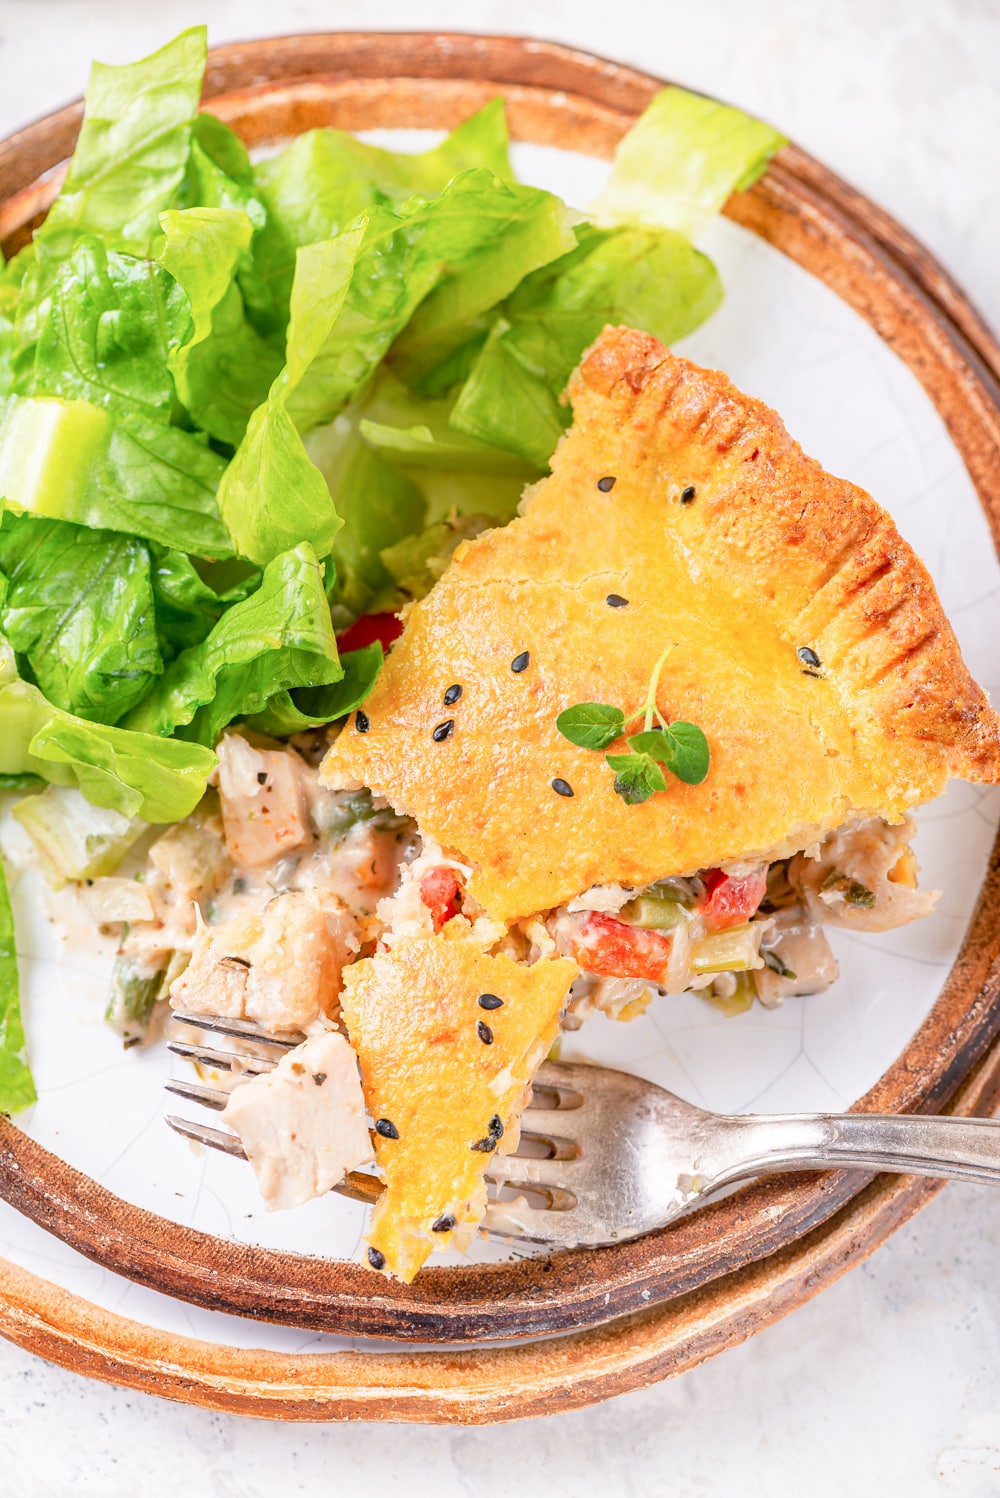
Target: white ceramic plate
<point>782,336</point>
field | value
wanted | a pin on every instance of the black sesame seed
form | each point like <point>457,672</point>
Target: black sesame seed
<point>616,601</point>
<point>443,731</point>
<point>262,777</point>
<point>562,787</point>
<point>687,495</point>
<point>443,1224</point>
<point>808,657</point>
<point>816,675</point>
<point>319,1077</point>
<point>489,1001</point>
<point>485,1146</point>
<point>386,1128</point>
<point>452,695</point>
<point>496,1126</point>
<point>484,1032</point>
<point>361,722</point>
<point>520,662</point>
<point>606,485</point>
<point>376,1259</point>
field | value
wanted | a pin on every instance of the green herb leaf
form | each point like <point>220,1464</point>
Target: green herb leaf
<point>684,750</point>
<point>637,777</point>
<point>774,962</point>
<point>17,1090</point>
<point>592,725</point>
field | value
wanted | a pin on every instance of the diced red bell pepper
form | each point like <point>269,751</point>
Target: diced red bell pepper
<point>442,894</point>
<point>612,949</point>
<point>729,901</point>
<point>385,628</point>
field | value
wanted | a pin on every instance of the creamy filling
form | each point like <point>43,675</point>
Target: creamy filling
<point>255,904</point>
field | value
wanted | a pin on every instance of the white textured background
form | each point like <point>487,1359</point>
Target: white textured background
<point>890,1382</point>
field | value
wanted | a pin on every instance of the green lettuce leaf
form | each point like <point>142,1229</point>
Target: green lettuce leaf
<point>682,159</point>
<point>310,707</point>
<point>377,504</point>
<point>279,638</point>
<point>138,774</point>
<point>506,404</point>
<point>189,605</point>
<point>416,563</point>
<point>79,607</point>
<point>132,151</point>
<point>223,367</point>
<point>71,460</point>
<point>648,278</point>
<point>325,178</point>
<point>219,173</point>
<point>17,1089</point>
<point>455,245</point>
<point>109,323</point>
<point>351,297</point>
<point>272,496</point>
<point>528,228</point>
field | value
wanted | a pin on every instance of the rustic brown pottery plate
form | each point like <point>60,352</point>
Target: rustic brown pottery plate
<point>620,1316</point>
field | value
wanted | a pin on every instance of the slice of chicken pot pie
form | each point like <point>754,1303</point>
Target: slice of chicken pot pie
<point>673,717</point>
<point>655,735</point>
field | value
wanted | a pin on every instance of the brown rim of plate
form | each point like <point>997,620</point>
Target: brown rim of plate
<point>484,1386</point>
<point>270,90</point>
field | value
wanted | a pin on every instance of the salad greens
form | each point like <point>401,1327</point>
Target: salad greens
<point>242,403</point>
<point>677,166</point>
<point>17,1090</point>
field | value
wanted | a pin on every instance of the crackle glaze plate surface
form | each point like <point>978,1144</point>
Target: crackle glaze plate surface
<point>781,335</point>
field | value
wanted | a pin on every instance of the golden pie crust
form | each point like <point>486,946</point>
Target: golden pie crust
<point>726,541</point>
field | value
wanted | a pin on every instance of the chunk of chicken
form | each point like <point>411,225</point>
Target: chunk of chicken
<point>264,804</point>
<point>280,966</point>
<point>863,877</point>
<point>303,1124</point>
<point>797,959</point>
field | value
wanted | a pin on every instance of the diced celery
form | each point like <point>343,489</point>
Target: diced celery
<point>133,994</point>
<point>737,1002</point>
<point>46,448</point>
<point>726,951</point>
<point>334,814</point>
<point>654,913</point>
<point>73,839</point>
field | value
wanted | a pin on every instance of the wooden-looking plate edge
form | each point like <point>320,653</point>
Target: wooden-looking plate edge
<point>269,90</point>
<point>465,1387</point>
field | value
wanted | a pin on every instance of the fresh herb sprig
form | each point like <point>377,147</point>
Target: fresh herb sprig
<point>680,746</point>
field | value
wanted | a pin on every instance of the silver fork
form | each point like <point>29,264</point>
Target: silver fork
<point>606,1156</point>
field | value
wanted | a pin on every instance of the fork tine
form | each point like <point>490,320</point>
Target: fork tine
<point>216,1139</point>
<point>357,1185</point>
<point>194,1092</point>
<point>242,1029</point>
<point>532,1175</point>
<point>252,1066</point>
<point>552,1224</point>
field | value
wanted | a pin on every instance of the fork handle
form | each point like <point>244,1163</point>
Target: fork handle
<point>911,1144</point>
